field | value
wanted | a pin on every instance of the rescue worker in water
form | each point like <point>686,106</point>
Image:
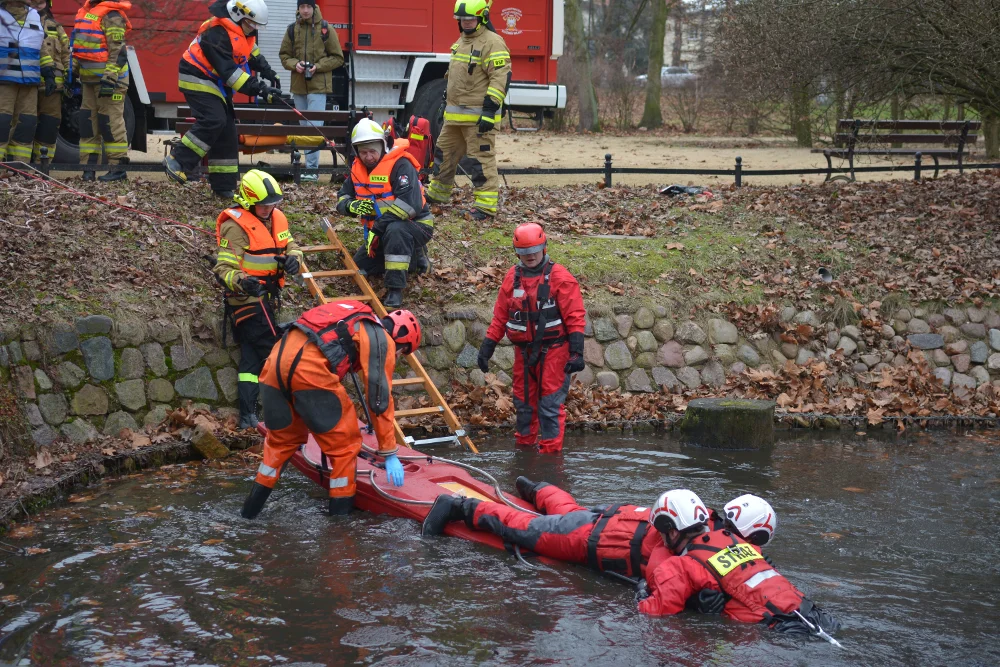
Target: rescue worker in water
<point>302,391</point>
<point>540,309</point>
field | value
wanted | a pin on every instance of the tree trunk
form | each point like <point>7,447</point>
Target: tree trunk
<point>727,423</point>
<point>991,135</point>
<point>801,120</point>
<point>676,51</point>
<point>589,119</point>
<point>652,116</point>
<point>894,111</point>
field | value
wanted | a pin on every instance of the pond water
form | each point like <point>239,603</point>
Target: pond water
<point>896,537</point>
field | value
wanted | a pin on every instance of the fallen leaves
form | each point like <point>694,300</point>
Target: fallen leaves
<point>34,551</point>
<point>43,458</point>
<point>22,531</point>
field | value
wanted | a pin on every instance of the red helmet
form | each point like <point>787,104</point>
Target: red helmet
<point>404,328</point>
<point>529,238</point>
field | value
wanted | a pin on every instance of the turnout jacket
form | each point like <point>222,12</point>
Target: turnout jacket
<point>480,66</point>
<point>316,42</point>
<point>564,294</point>
<point>57,43</point>
<point>234,241</point>
<point>23,48</point>
<point>216,46</point>
<point>110,63</point>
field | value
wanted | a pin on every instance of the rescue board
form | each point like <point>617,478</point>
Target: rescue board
<point>426,477</point>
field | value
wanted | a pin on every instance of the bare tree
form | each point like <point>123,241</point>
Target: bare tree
<point>589,118</point>
<point>652,116</point>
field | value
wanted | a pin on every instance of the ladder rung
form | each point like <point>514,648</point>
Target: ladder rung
<point>354,297</point>
<point>318,248</point>
<point>332,274</point>
<point>407,381</point>
<point>419,411</point>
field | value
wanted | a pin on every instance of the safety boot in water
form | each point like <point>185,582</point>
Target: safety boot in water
<point>394,299</point>
<point>445,510</point>
<point>174,169</point>
<point>116,173</point>
<point>341,506</point>
<point>527,489</point>
<point>255,501</point>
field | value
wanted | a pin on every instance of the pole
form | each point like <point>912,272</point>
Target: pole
<point>607,170</point>
<point>739,171</point>
<point>916,166</point>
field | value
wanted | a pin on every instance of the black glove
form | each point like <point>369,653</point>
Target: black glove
<point>253,87</point>
<point>49,75</point>
<point>485,354</point>
<point>272,77</point>
<point>290,264</point>
<point>706,601</point>
<point>575,363</point>
<point>273,95</point>
<point>486,121</point>
<point>642,591</point>
<point>251,286</point>
<point>107,89</point>
<point>359,207</point>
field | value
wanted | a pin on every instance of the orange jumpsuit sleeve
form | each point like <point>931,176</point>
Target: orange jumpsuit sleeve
<point>672,582</point>
<point>377,359</point>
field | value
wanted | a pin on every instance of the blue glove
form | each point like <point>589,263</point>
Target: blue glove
<point>394,470</point>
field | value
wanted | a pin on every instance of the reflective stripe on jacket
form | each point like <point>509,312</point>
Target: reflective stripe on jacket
<point>259,259</point>
<point>20,48</point>
<point>209,80</point>
<point>59,46</point>
<point>480,66</point>
<point>516,311</point>
<point>89,40</point>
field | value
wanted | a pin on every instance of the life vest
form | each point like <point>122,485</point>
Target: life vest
<point>421,141</point>
<point>331,326</point>
<point>265,244</point>
<point>242,45</point>
<point>21,48</point>
<point>534,318</point>
<point>375,185</point>
<point>615,543</point>
<point>89,42</point>
<point>744,575</point>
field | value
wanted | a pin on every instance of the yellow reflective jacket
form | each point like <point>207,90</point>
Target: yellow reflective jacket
<point>480,66</point>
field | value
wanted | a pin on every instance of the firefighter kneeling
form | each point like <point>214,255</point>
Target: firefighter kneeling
<point>302,393</point>
<point>540,309</point>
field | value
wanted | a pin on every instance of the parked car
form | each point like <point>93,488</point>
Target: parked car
<point>672,77</point>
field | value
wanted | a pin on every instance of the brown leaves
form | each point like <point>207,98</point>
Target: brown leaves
<point>43,458</point>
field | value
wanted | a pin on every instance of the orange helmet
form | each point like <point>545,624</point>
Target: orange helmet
<point>529,238</point>
<point>404,328</point>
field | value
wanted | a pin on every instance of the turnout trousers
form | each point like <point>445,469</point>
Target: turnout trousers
<point>401,242</point>
<point>562,532</point>
<point>18,105</point>
<point>540,397</point>
<point>102,126</point>
<point>49,117</point>
<point>214,136</point>
<point>256,337</point>
<point>454,143</point>
<point>302,396</point>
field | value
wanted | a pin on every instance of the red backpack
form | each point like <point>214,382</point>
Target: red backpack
<point>330,325</point>
<point>418,132</point>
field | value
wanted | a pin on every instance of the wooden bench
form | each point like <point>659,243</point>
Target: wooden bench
<point>254,123</point>
<point>855,136</point>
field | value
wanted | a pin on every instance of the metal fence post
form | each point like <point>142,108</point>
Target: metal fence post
<point>296,165</point>
<point>607,170</point>
<point>739,172</point>
<point>916,166</point>
<point>43,156</point>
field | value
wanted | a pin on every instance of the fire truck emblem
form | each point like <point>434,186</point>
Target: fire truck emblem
<point>510,16</point>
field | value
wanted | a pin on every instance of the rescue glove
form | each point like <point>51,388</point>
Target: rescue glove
<point>290,264</point>
<point>485,354</point>
<point>575,362</point>
<point>359,207</point>
<point>49,75</point>
<point>273,95</point>
<point>707,601</point>
<point>486,121</point>
<point>107,89</point>
<point>251,286</point>
<point>642,591</point>
<point>394,470</point>
<point>271,76</point>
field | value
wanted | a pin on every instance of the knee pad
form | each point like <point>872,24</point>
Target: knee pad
<point>5,122</point>
<point>320,409</point>
<point>24,132</point>
<point>277,411</point>
<point>474,168</point>
<point>104,127</point>
<point>85,123</point>
<point>47,130</point>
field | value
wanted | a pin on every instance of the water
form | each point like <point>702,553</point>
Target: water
<point>158,569</point>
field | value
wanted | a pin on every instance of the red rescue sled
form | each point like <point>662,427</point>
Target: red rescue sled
<point>427,477</point>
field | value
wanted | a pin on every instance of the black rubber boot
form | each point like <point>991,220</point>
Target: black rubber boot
<point>224,194</point>
<point>445,510</point>
<point>89,176</point>
<point>248,421</point>
<point>341,506</point>
<point>248,392</point>
<point>116,173</point>
<point>174,169</point>
<point>527,489</point>
<point>394,299</point>
<point>255,501</point>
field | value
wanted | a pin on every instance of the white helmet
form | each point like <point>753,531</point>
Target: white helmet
<point>680,509</point>
<point>254,10</point>
<point>367,131</point>
<point>753,518</point>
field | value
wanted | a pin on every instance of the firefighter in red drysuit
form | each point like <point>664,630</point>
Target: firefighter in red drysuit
<point>302,392</point>
<point>719,560</point>
<point>540,309</point>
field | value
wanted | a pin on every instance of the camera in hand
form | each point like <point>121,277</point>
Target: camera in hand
<point>308,67</point>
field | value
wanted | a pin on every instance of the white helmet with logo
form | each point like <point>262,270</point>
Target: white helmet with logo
<point>753,518</point>
<point>680,509</point>
<point>253,10</point>
<point>367,131</point>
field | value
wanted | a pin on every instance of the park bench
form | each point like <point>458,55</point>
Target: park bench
<point>855,136</point>
<point>264,129</point>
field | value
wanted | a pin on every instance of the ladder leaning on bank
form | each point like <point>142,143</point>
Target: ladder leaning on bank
<point>438,407</point>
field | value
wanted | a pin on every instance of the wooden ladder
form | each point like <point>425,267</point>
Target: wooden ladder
<point>439,407</point>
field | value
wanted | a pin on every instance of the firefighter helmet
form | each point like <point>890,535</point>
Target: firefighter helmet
<point>258,187</point>
<point>404,328</point>
<point>679,509</point>
<point>529,238</point>
<point>752,517</point>
<point>472,9</point>
<point>367,131</point>
<point>253,10</point>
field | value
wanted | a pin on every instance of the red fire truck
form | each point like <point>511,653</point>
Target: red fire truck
<point>397,54</point>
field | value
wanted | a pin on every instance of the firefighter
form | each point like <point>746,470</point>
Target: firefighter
<point>100,62</point>
<point>217,63</point>
<point>23,54</point>
<point>303,393</point>
<point>478,77</point>
<point>718,559</point>
<point>384,190</point>
<point>540,309</point>
<point>54,70</point>
<point>256,251</point>
<point>310,40</point>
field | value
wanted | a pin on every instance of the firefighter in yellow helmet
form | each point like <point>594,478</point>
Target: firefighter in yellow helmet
<point>256,252</point>
<point>478,77</point>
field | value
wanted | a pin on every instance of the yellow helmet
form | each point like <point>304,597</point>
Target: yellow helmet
<point>258,187</point>
<point>467,9</point>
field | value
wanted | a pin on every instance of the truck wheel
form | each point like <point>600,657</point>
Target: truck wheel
<point>68,141</point>
<point>429,103</point>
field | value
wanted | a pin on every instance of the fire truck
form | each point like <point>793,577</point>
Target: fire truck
<point>396,57</point>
